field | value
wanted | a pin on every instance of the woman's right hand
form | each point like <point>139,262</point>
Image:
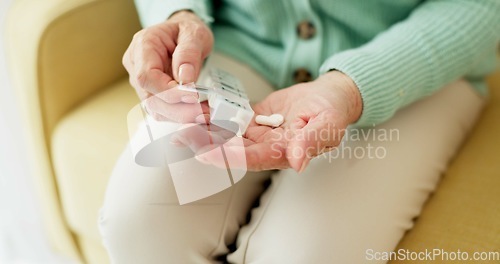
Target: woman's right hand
<point>161,56</point>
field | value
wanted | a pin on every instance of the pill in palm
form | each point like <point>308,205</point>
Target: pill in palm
<point>274,120</point>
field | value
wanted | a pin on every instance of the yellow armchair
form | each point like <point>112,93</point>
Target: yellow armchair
<point>464,212</point>
<point>65,59</point>
<point>63,53</point>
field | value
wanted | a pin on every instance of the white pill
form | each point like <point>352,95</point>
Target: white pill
<point>274,120</point>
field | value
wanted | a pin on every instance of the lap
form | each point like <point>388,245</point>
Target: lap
<point>349,201</point>
<point>339,207</point>
<point>142,222</point>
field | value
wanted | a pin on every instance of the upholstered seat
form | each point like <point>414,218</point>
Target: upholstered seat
<point>65,59</point>
<point>85,145</point>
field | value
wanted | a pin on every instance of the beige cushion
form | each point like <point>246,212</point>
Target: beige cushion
<point>61,53</point>
<point>85,145</point>
<point>464,212</point>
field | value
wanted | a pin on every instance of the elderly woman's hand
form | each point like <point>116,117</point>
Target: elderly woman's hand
<point>163,55</point>
<point>316,116</point>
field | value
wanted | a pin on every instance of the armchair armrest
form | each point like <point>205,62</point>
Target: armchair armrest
<point>60,53</point>
<point>64,51</point>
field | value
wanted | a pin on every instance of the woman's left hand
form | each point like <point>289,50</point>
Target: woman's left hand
<point>316,116</point>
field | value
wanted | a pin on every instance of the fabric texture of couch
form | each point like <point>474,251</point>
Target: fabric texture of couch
<point>65,59</point>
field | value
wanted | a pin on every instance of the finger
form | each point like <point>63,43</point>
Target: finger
<point>197,136</point>
<point>202,119</point>
<point>127,62</point>
<point>192,48</point>
<point>223,133</point>
<point>174,96</point>
<point>216,134</point>
<point>230,154</point>
<point>152,114</point>
<point>277,158</point>
<point>212,155</point>
<point>207,145</point>
<point>149,70</point>
<point>127,59</point>
<point>319,134</point>
<point>181,113</point>
<point>261,156</point>
<point>247,155</point>
<point>141,93</point>
<point>194,136</point>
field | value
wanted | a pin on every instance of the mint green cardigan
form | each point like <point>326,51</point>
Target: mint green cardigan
<point>396,51</point>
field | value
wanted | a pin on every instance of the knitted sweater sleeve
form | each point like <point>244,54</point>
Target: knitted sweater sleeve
<point>441,41</point>
<point>155,11</point>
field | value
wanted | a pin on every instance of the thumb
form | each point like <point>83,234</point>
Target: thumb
<point>188,56</point>
<point>319,135</point>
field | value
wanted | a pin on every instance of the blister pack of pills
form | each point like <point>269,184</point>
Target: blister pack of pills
<point>229,105</point>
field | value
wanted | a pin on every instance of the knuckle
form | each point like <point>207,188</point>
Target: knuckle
<point>149,42</point>
<point>193,26</point>
<point>203,33</point>
<point>197,30</point>
<point>187,25</point>
<point>143,36</point>
<point>143,40</point>
<point>138,34</point>
<point>149,35</point>
<point>188,52</point>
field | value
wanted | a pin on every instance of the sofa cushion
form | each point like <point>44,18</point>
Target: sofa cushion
<point>85,145</point>
<point>464,212</point>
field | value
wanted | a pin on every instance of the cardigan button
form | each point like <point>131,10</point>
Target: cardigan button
<point>302,75</point>
<point>306,30</point>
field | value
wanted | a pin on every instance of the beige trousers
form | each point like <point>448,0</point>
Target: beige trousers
<point>359,198</point>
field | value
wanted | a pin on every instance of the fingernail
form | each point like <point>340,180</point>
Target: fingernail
<point>304,165</point>
<point>186,73</point>
<point>189,99</point>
